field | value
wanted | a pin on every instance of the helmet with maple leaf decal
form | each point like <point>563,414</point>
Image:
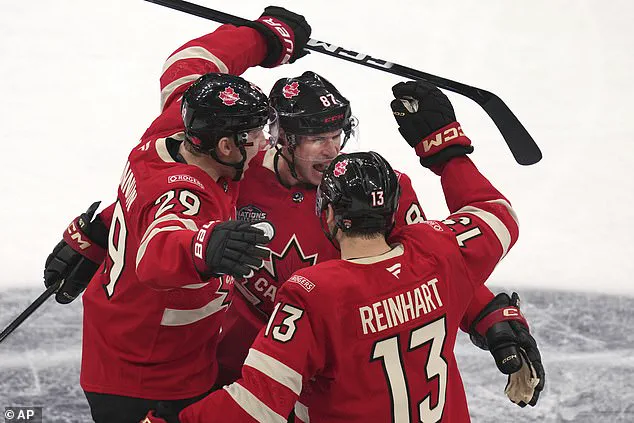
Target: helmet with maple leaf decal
<point>363,190</point>
<point>310,104</point>
<point>219,105</point>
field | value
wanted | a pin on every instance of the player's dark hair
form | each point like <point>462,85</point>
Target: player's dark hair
<point>363,190</point>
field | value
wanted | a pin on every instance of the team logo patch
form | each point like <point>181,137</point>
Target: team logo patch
<point>291,90</point>
<point>184,178</point>
<point>340,168</point>
<point>303,282</point>
<point>251,213</point>
<point>229,97</point>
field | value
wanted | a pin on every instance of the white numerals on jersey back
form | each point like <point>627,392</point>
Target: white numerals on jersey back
<point>285,331</point>
<point>388,351</point>
<point>414,214</point>
<point>463,236</point>
<point>116,247</point>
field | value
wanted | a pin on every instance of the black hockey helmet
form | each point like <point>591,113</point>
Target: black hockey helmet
<point>363,190</point>
<point>220,105</point>
<point>310,104</point>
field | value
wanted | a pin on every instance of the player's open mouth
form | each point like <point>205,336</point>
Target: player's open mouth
<point>320,167</point>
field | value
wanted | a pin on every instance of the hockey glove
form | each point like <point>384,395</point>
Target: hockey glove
<point>502,329</point>
<point>76,258</point>
<point>427,121</point>
<point>286,33</point>
<point>229,248</point>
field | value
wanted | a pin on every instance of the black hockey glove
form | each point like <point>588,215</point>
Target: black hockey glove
<point>427,121</point>
<point>229,248</point>
<point>286,33</point>
<point>503,330</point>
<point>76,258</point>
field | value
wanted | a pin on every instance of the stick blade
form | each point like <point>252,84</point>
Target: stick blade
<point>519,141</point>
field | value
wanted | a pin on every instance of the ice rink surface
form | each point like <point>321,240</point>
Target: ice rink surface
<point>585,339</point>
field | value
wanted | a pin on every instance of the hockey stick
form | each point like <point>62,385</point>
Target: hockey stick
<point>519,141</point>
<point>29,310</point>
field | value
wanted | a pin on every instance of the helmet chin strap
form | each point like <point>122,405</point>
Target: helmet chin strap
<point>290,162</point>
<point>239,166</point>
<point>331,235</point>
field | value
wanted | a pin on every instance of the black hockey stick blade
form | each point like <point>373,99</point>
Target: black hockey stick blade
<point>522,146</point>
<point>29,310</point>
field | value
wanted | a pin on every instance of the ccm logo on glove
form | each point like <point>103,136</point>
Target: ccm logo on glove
<point>442,136</point>
<point>511,312</point>
<point>75,235</point>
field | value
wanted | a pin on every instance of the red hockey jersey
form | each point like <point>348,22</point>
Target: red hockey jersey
<point>298,242</point>
<point>371,340</point>
<point>150,322</point>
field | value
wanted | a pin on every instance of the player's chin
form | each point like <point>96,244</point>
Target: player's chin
<point>317,171</point>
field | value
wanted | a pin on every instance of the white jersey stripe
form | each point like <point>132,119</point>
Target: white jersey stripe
<point>174,317</point>
<point>170,217</point>
<point>509,208</point>
<point>161,150</point>
<point>143,247</point>
<point>252,404</point>
<point>301,412</point>
<point>152,231</point>
<point>170,88</point>
<point>500,230</point>
<point>275,369</point>
<point>196,52</point>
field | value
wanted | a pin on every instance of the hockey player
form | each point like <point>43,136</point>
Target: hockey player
<point>152,312</point>
<point>316,123</point>
<point>348,336</point>
<point>280,186</point>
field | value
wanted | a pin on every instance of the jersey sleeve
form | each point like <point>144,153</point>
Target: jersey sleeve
<point>409,209</point>
<point>166,227</point>
<point>483,222</point>
<point>410,212</point>
<point>228,49</point>
<point>284,355</point>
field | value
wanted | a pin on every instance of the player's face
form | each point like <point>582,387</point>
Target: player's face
<point>256,141</point>
<point>314,153</point>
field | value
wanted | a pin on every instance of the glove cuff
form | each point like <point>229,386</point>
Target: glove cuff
<point>280,40</point>
<point>500,315</point>
<point>77,238</point>
<point>439,140</point>
<point>200,241</point>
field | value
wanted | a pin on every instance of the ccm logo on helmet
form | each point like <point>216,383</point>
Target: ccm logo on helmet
<point>285,34</point>
<point>333,118</point>
<point>442,137</point>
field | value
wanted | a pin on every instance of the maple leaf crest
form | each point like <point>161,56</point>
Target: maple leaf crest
<point>340,168</point>
<point>291,90</point>
<point>229,97</point>
<point>291,259</point>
